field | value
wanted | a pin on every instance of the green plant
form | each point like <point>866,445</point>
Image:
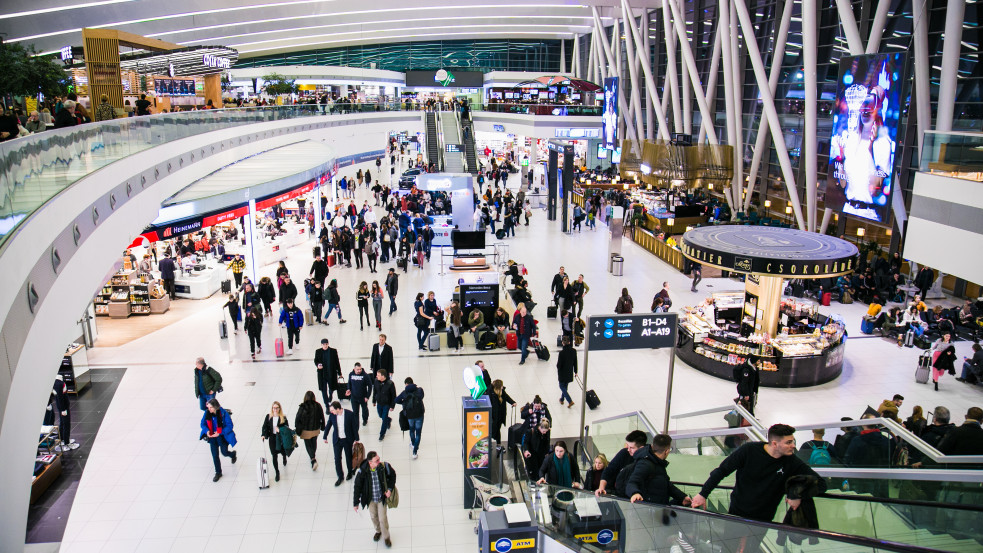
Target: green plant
<point>27,74</point>
<point>277,84</point>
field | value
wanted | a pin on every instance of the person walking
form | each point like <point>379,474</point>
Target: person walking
<point>377,295</point>
<point>308,423</point>
<point>253,326</point>
<point>232,305</point>
<point>292,319</point>
<point>237,266</point>
<point>499,399</point>
<point>383,399</point>
<point>625,304</point>
<point>216,429</point>
<point>763,468</point>
<point>420,251</point>
<point>944,362</point>
<point>316,300</point>
<point>649,480</point>
<point>328,370</point>
<point>412,401</point>
<point>208,382</point>
<point>392,286</point>
<point>362,297</point>
<point>697,270</point>
<point>372,254</point>
<point>288,291</point>
<point>382,357</point>
<point>267,293</point>
<point>358,392</point>
<point>333,299</point>
<point>525,328</point>
<point>276,430</point>
<point>580,289</point>
<point>566,368</point>
<point>375,482</point>
<point>747,377</point>
<point>345,425</point>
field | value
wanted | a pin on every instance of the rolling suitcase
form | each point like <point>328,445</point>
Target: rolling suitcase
<point>223,329</point>
<point>827,297</point>
<point>515,434</point>
<point>512,341</point>
<point>867,326</point>
<point>226,286</point>
<point>592,400</point>
<point>278,347</point>
<point>559,341</point>
<point>263,473</point>
<point>433,341</point>
<point>551,312</point>
<point>330,260</point>
<point>308,317</point>
<point>924,368</point>
<point>542,352</point>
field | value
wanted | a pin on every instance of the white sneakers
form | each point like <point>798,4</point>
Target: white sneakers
<point>290,351</point>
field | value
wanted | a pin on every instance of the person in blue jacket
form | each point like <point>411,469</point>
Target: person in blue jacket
<point>216,428</point>
<point>292,319</point>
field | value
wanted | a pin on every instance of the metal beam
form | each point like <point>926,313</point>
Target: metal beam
<point>951,48</point>
<point>694,75</point>
<point>671,69</point>
<point>643,59</point>
<point>877,31</point>
<point>712,80</point>
<point>849,23</point>
<point>768,104</point>
<point>636,99</point>
<point>653,93</point>
<point>810,59</point>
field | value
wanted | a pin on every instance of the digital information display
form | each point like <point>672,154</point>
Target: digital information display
<point>609,118</point>
<point>859,178</point>
<point>635,331</point>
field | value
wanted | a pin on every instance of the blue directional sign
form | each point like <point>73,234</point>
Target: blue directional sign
<point>634,331</point>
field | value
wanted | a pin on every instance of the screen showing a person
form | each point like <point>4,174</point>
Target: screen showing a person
<point>859,178</point>
<point>609,118</point>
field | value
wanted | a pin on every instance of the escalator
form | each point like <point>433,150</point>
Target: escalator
<point>470,152</point>
<point>430,123</point>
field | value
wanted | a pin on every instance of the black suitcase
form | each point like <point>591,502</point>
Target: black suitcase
<point>542,352</point>
<point>226,286</point>
<point>559,341</point>
<point>551,312</point>
<point>515,434</point>
<point>223,329</point>
<point>317,251</point>
<point>592,400</point>
<point>500,234</point>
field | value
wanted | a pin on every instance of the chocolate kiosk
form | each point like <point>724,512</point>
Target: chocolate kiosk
<point>795,345</point>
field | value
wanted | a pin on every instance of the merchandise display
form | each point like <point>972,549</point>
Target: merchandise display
<point>131,293</point>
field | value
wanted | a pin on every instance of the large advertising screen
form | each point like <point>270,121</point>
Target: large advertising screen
<point>864,137</point>
<point>445,78</point>
<point>609,118</point>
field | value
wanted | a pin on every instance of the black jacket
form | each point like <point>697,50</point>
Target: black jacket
<point>532,418</point>
<point>384,393</point>
<point>537,444</point>
<point>498,410</point>
<point>351,427</point>
<point>267,292</point>
<point>363,482</point>
<point>267,429</point>
<point>360,385</point>
<point>412,389</point>
<point>651,479</point>
<point>253,325</point>
<point>566,364</point>
<point>310,416</point>
<point>288,291</point>
<point>557,283</point>
<point>964,440</point>
<point>383,361</point>
<point>327,377</point>
<point>746,378</point>
<point>392,284</point>
<point>548,469</point>
<point>319,269</point>
<point>804,488</point>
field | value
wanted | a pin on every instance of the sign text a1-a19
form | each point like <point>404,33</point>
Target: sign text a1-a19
<point>635,331</point>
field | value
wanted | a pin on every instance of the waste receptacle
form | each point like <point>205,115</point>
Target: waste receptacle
<point>611,262</point>
<point>618,265</point>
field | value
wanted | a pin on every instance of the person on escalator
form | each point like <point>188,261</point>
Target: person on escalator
<point>634,441</point>
<point>649,480</point>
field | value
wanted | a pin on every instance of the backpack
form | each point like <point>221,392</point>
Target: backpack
<point>820,455</point>
<point>621,482</point>
<point>413,405</point>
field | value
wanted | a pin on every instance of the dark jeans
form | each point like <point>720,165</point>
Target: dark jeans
<point>332,307</point>
<point>564,393</point>
<point>383,411</point>
<point>316,309</point>
<point>357,254</point>
<point>293,336</point>
<point>203,399</point>
<point>372,259</point>
<point>346,446</point>
<point>275,452</point>
<point>219,443</point>
<point>524,347</point>
<point>238,277</point>
<point>364,309</point>
<point>326,395</point>
<point>969,369</point>
<point>392,303</point>
<point>421,336</point>
<point>697,277</point>
<point>235,319</point>
<point>360,405</point>
<point>416,427</point>
<point>311,446</point>
<point>65,427</point>
<point>169,287</point>
<point>255,341</point>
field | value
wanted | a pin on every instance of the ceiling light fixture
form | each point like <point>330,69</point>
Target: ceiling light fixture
<point>236,46</point>
<point>61,8</point>
<point>424,35</point>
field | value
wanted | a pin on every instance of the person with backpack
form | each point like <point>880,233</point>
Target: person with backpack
<point>648,480</point>
<point>560,468</point>
<point>625,303</point>
<point>817,451</point>
<point>412,401</point>
<point>208,382</point>
<point>333,299</point>
<point>634,441</point>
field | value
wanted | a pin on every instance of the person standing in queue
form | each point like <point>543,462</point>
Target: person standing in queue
<point>383,399</point>
<point>382,357</point>
<point>345,426</point>
<point>566,368</point>
<point>358,392</point>
<point>422,322</point>
<point>328,370</point>
<point>167,267</point>
<point>535,447</point>
<point>216,428</point>
<point>275,426</point>
<point>412,401</point>
<point>292,319</point>
<point>499,399</point>
<point>208,382</point>
<point>560,469</point>
<point>374,483</point>
<point>308,423</point>
<point>762,471</point>
<point>649,480</point>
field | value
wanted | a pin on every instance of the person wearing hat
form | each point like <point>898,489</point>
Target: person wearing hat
<point>328,370</point>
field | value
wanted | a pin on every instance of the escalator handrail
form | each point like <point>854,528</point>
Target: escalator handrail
<point>872,499</point>
<point>873,544</point>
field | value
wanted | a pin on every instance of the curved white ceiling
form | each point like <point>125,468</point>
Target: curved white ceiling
<point>257,27</point>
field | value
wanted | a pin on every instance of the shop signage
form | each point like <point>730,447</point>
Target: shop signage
<point>499,128</point>
<point>577,133</point>
<point>66,53</point>
<point>286,196</point>
<point>633,331</point>
<point>477,426</point>
<point>208,60</point>
<point>504,545</point>
<point>603,537</point>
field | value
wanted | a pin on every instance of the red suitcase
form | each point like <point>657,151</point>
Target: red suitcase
<point>278,347</point>
<point>330,260</point>
<point>827,297</point>
<point>511,341</point>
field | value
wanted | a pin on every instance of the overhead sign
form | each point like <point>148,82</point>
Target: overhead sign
<point>499,128</point>
<point>454,148</point>
<point>474,381</point>
<point>289,195</point>
<point>632,331</point>
<point>66,53</point>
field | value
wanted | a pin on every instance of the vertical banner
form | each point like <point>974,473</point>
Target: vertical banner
<point>609,118</point>
<point>859,178</point>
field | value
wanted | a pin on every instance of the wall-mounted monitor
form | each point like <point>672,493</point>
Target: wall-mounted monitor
<point>468,240</point>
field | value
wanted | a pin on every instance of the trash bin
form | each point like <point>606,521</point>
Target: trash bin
<point>618,265</point>
<point>611,262</point>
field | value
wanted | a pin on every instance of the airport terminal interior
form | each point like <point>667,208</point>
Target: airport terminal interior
<point>607,275</point>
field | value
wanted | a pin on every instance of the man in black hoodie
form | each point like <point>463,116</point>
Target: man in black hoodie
<point>383,399</point>
<point>634,441</point>
<point>762,470</point>
<point>649,479</point>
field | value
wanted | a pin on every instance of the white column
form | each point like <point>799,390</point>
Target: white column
<point>735,89</point>
<point>643,58</point>
<point>318,216</point>
<point>636,99</point>
<point>653,93</point>
<point>694,75</point>
<point>877,30</point>
<point>563,56</point>
<point>712,81</point>
<point>923,105</point>
<point>724,26</point>
<point>590,59</point>
<point>671,76</point>
<point>951,48</point>
<point>768,103</point>
<point>776,71</point>
<point>849,23</point>
<point>576,56</point>
<point>249,232</point>
<point>810,151</point>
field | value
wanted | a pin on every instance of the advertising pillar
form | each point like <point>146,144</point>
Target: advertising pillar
<point>551,184</point>
<point>248,230</point>
<point>566,185</point>
<point>475,443</point>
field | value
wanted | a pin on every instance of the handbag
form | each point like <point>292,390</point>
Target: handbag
<point>393,500</point>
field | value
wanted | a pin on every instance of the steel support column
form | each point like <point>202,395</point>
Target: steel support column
<point>810,58</point>
<point>951,47</point>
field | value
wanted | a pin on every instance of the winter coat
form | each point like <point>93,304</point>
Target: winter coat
<point>310,416</point>
<point>548,469</point>
<point>805,488</point>
<point>211,380</point>
<point>363,482</point>
<point>384,393</point>
<point>566,364</point>
<point>650,479</point>
<point>327,377</point>
<point>288,291</point>
<point>415,390</point>
<point>360,385</point>
<point>532,417</point>
<point>946,360</point>
<point>267,292</point>
<point>284,436</point>
<point>253,325</point>
<point>225,426</point>
<point>747,379</point>
<point>293,318</point>
<point>498,410</point>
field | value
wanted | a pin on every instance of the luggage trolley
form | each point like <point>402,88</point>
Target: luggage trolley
<point>501,255</point>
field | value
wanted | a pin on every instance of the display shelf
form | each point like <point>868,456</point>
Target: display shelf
<point>74,369</point>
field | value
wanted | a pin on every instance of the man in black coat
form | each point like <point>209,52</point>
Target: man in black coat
<point>382,356</point>
<point>319,270</point>
<point>634,441</point>
<point>384,399</point>
<point>966,439</point>
<point>746,376</point>
<point>649,479</point>
<point>328,370</point>
<point>924,280</point>
<point>167,268</point>
<point>288,291</point>
<point>566,368</point>
<point>557,283</point>
<point>345,426</point>
<point>392,287</point>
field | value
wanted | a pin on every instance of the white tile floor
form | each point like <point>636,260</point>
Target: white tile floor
<point>148,486</point>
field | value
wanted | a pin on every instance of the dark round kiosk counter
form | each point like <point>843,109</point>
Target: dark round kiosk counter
<point>796,346</point>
